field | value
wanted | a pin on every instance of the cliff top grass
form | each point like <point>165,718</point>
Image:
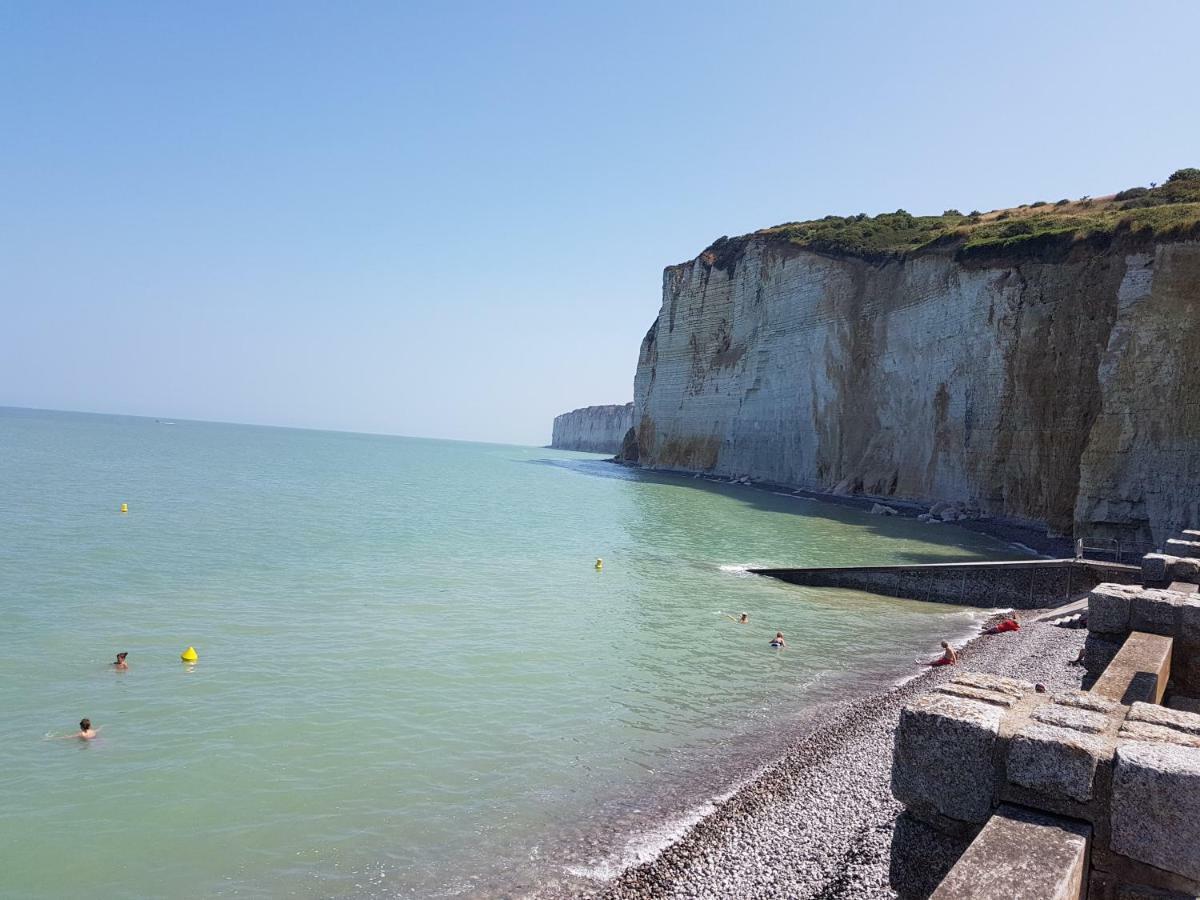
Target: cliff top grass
<point>1170,211</point>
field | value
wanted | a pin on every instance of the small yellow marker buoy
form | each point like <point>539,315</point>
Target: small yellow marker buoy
<point>599,564</point>
<point>125,507</point>
<point>189,655</point>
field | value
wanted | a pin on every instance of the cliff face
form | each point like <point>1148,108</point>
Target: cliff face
<point>596,429</point>
<point>1061,387</point>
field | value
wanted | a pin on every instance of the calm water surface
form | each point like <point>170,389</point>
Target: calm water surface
<point>412,681</point>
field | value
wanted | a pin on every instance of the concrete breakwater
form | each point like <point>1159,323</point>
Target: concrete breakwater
<point>1032,584</point>
<point>593,429</point>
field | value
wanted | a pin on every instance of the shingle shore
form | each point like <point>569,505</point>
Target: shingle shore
<point>821,822</point>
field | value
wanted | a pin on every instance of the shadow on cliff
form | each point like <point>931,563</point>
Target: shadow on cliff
<point>845,510</point>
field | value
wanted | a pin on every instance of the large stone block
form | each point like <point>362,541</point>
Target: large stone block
<point>1139,672</point>
<point>1108,608</point>
<point>1178,720</point>
<point>994,689</point>
<point>1022,855</point>
<point>1182,547</point>
<point>1156,806</point>
<point>1120,608</point>
<point>974,693</point>
<point>943,756</point>
<point>1155,612</point>
<point>1086,700</point>
<point>1059,762</point>
<point>1158,567</point>
<point>1189,619</point>
<point>1154,568</point>
<point>1145,731</point>
<point>1068,716</point>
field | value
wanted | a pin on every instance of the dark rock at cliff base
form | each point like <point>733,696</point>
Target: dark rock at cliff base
<point>629,447</point>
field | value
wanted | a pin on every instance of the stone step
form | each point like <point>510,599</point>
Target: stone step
<point>1139,672</point>
<point>1022,855</point>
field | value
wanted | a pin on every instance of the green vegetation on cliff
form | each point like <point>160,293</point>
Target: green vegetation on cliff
<point>1159,212</point>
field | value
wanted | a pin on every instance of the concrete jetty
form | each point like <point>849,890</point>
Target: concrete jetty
<point>1019,584</point>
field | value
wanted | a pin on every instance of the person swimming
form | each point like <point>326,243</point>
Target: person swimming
<point>743,619</point>
<point>85,733</point>
<point>948,657</point>
<point>120,663</point>
<point>778,640</point>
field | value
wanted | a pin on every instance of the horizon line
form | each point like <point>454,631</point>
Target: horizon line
<point>174,419</point>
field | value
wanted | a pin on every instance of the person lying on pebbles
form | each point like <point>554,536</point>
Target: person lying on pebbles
<point>1009,624</point>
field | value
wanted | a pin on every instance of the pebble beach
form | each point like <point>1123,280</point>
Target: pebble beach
<point>821,822</point>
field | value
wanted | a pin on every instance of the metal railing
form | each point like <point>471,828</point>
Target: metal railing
<point>1118,550</point>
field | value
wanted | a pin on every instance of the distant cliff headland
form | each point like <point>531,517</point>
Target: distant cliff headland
<point>595,429</point>
<point>1040,363</point>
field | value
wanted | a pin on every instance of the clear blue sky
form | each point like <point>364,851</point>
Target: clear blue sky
<point>451,219</point>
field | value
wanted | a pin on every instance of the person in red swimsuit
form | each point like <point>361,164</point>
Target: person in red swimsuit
<point>948,657</point>
<point>1001,627</point>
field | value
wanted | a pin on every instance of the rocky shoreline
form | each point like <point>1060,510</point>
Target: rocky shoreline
<point>821,822</point>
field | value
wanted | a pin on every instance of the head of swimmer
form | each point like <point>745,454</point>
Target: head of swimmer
<point>778,635</point>
<point>85,724</point>
<point>743,618</point>
<point>945,646</point>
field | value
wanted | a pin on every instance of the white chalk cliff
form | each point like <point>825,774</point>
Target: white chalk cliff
<point>595,429</point>
<point>1061,386</point>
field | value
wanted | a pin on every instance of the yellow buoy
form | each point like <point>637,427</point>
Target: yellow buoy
<point>189,655</point>
<point>124,507</point>
<point>599,564</point>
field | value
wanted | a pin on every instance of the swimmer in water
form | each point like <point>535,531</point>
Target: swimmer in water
<point>948,657</point>
<point>741,620</point>
<point>85,733</point>
<point>120,664</point>
<point>778,640</point>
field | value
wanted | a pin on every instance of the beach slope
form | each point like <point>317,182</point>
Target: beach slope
<point>821,822</point>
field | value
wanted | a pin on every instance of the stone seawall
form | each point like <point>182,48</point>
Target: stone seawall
<point>1022,584</point>
<point>594,429</point>
<point>1057,389</point>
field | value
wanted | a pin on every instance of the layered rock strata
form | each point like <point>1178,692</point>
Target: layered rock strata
<point>1056,387</point>
<point>595,429</point>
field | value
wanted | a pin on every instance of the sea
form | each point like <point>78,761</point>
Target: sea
<point>412,680</point>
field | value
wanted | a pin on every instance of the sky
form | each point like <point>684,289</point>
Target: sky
<point>451,220</point>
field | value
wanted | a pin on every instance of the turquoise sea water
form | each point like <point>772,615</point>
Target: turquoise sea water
<point>412,680</point>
